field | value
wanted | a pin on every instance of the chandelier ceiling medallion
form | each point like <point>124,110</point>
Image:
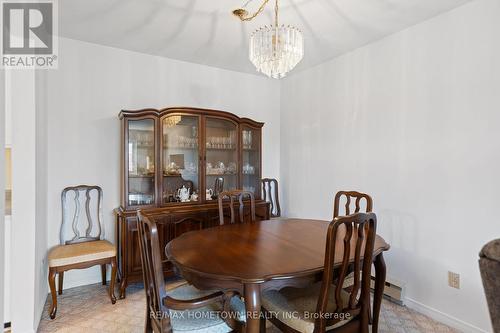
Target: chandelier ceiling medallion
<point>274,50</point>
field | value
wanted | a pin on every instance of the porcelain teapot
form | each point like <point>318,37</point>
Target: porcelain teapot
<point>183,194</point>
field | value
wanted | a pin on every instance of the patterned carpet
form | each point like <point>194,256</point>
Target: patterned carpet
<point>88,309</point>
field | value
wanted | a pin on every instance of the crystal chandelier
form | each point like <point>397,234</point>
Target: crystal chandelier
<point>171,121</point>
<point>274,50</point>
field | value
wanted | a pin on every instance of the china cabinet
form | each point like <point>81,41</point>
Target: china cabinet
<point>174,163</point>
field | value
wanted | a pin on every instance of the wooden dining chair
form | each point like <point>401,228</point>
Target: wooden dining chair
<point>327,306</point>
<point>352,204</point>
<point>81,251</point>
<point>239,195</point>
<point>183,308</point>
<point>351,196</point>
<point>270,194</point>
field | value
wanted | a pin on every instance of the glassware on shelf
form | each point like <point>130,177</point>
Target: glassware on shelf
<point>172,169</point>
<point>248,169</point>
<point>141,162</point>
<point>190,169</point>
<point>247,139</point>
<point>249,188</point>
<point>184,142</point>
<point>231,168</point>
<point>136,199</point>
<point>220,142</point>
<point>221,169</point>
<point>221,153</point>
<point>180,156</point>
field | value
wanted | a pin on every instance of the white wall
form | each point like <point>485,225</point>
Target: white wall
<point>6,127</point>
<point>2,197</point>
<point>88,90</point>
<point>414,120</point>
<point>21,96</point>
<point>41,227</point>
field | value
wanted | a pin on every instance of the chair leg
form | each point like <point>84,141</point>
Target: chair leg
<point>113,279</point>
<point>60,277</point>
<point>262,322</point>
<point>148,328</point>
<point>103,274</point>
<point>52,284</point>
<point>380,272</point>
<point>123,287</point>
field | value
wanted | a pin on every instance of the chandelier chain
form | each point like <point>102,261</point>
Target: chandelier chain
<point>251,17</point>
<point>276,15</point>
<point>246,4</point>
<point>259,10</point>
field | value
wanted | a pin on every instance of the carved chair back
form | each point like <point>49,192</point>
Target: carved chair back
<point>218,186</point>
<point>152,271</point>
<point>239,196</point>
<point>270,193</point>
<point>351,196</point>
<point>349,237</point>
<point>72,200</point>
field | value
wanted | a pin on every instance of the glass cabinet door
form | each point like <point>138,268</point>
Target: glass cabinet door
<point>141,162</point>
<point>221,167</point>
<point>250,168</point>
<point>180,158</point>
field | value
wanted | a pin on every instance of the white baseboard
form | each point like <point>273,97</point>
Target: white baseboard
<point>443,317</point>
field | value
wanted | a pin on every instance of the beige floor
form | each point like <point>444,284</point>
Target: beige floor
<point>88,309</point>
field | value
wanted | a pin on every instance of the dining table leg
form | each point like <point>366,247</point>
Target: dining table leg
<point>380,272</point>
<point>252,304</point>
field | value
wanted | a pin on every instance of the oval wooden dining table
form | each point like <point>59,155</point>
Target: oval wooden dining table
<point>252,257</point>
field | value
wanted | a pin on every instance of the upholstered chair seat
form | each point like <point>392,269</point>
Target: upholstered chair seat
<point>489,263</point>
<point>296,307</point>
<point>205,319</point>
<point>78,248</point>
<point>62,255</point>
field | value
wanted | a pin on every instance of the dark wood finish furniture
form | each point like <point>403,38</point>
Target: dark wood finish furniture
<point>172,222</point>
<point>160,148</point>
<point>158,301</point>
<point>81,251</point>
<point>337,309</point>
<point>349,196</point>
<point>352,204</point>
<point>239,196</point>
<point>270,193</point>
<point>253,257</point>
<point>163,150</point>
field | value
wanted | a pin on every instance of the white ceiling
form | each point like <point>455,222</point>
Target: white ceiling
<point>205,31</point>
